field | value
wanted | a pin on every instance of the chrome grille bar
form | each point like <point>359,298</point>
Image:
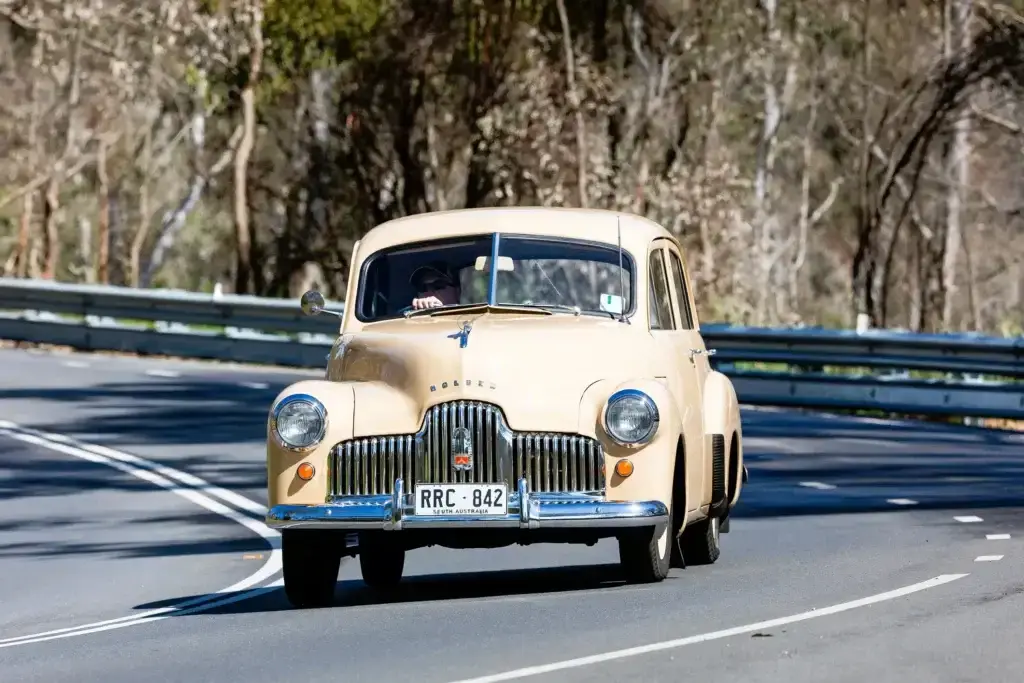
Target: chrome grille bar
<point>559,462</point>
<point>434,458</point>
<point>550,462</point>
<point>369,466</point>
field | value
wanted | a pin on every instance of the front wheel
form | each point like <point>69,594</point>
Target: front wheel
<point>310,566</point>
<point>644,554</point>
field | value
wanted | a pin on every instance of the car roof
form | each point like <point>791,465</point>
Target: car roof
<point>596,225</point>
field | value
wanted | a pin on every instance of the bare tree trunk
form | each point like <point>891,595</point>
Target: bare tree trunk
<point>1015,297</point>
<point>142,231</point>
<point>863,259</point>
<point>574,98</point>
<point>103,228</point>
<point>25,229</point>
<point>763,214</point>
<point>27,206</point>
<point>51,227</point>
<point>51,208</point>
<point>958,36</point>
<point>84,266</point>
<point>709,145</point>
<point>243,231</point>
<point>808,219</point>
<point>916,259</point>
<point>972,288</point>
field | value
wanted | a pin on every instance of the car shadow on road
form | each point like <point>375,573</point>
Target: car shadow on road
<point>501,584</point>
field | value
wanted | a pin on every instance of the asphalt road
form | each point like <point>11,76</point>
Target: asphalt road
<point>131,547</point>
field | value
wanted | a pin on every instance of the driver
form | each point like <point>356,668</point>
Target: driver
<point>435,285</point>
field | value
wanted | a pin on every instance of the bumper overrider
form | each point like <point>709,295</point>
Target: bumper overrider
<point>526,510</point>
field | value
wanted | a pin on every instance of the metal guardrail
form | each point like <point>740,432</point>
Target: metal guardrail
<point>975,375</point>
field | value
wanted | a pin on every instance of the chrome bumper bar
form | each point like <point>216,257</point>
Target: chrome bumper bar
<point>525,511</point>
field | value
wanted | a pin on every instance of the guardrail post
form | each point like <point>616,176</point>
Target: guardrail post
<point>972,378</point>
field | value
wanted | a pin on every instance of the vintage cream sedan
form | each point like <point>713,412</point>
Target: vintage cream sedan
<point>506,376</point>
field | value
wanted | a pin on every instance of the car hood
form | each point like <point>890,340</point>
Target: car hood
<point>536,367</point>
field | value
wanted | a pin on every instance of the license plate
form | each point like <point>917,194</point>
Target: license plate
<point>461,499</point>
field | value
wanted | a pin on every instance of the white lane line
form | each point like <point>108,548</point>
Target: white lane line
<point>901,501</point>
<point>998,537</point>
<point>714,635</point>
<point>254,385</point>
<point>163,373</point>
<point>193,481</point>
<point>988,558</point>
<point>148,472</point>
<point>75,364</point>
<point>968,519</point>
<point>143,619</point>
<point>817,485</point>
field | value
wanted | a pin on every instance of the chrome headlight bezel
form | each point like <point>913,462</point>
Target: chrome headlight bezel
<point>318,408</point>
<point>646,401</point>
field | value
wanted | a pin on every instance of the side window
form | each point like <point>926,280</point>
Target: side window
<point>684,296</point>
<point>661,302</point>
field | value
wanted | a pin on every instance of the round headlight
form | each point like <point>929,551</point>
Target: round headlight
<point>300,421</point>
<point>631,417</point>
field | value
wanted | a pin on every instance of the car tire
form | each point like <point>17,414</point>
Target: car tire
<point>702,541</point>
<point>381,561</point>
<point>676,558</point>
<point>644,555</point>
<point>310,562</point>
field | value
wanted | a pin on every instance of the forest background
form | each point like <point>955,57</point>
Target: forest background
<point>817,158</point>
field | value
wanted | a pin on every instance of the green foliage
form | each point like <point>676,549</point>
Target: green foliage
<point>307,34</point>
<point>1011,328</point>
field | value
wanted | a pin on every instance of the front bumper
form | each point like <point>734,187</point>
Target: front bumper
<point>525,511</point>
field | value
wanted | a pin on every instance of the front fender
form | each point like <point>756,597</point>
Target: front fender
<point>722,416</point>
<point>382,409</point>
<point>283,484</point>
<point>654,462</point>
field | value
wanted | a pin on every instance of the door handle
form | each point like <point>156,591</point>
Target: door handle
<point>696,352</point>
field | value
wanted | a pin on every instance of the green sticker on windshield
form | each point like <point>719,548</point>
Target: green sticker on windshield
<point>611,303</point>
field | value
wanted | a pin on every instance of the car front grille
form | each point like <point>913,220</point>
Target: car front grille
<point>551,462</point>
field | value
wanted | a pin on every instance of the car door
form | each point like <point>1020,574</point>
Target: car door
<point>693,351</point>
<point>680,373</point>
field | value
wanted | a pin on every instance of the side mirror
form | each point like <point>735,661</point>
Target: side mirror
<point>312,302</point>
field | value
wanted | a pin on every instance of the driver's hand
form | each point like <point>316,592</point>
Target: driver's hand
<point>426,302</point>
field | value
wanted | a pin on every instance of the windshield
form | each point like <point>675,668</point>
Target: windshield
<point>550,273</point>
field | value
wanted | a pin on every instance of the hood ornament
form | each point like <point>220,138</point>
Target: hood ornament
<point>463,334</point>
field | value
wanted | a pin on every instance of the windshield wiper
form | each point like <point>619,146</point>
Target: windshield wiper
<point>576,310</point>
<point>441,309</point>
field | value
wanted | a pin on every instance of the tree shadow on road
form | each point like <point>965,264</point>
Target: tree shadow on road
<point>186,411</point>
<point>809,464</point>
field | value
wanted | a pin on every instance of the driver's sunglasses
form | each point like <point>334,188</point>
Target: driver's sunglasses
<point>434,285</point>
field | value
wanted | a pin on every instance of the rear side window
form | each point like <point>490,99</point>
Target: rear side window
<point>684,296</point>
<point>661,301</point>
